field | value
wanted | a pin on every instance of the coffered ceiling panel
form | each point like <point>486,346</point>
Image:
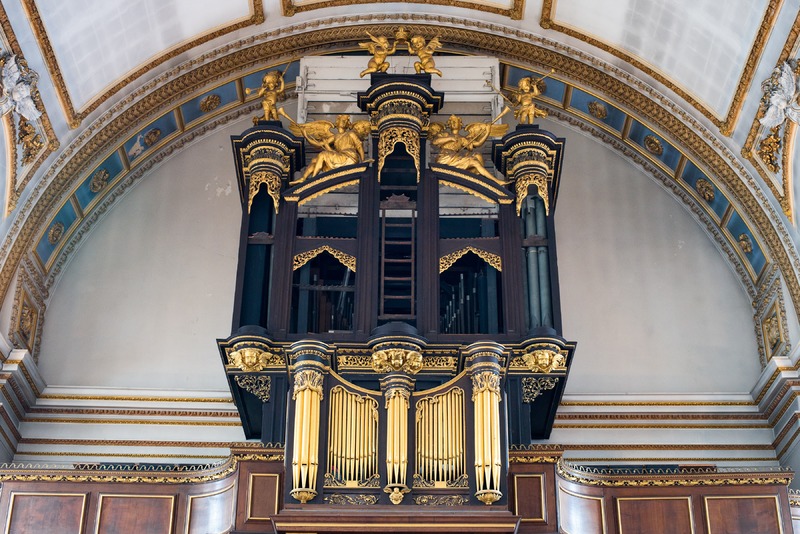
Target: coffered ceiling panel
<point>89,54</point>
<point>701,46</point>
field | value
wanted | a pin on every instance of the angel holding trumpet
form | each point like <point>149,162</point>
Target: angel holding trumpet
<point>523,98</point>
<point>341,143</point>
<point>460,151</point>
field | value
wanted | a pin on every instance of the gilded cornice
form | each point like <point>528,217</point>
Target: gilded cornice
<point>749,148</point>
<point>76,116</point>
<point>508,44</point>
<point>726,124</point>
<point>51,144</point>
<point>514,13</point>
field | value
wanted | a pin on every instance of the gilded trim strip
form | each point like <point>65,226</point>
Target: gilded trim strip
<point>728,123</point>
<point>75,117</point>
<point>515,13</point>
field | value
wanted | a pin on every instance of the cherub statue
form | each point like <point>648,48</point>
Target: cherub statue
<point>424,51</point>
<point>272,90</point>
<point>379,48</point>
<point>460,151</point>
<point>525,110</point>
<point>781,93</point>
<point>341,143</point>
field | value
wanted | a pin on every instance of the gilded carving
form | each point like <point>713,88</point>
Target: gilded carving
<point>273,183</point>
<point>396,359</point>
<point>30,140</point>
<point>304,257</point>
<point>597,109</point>
<point>533,386</point>
<point>99,180</point>
<point>417,46</point>
<point>26,321</point>
<point>420,482</point>
<point>152,136</point>
<point>704,189</point>
<point>389,137</point>
<point>257,385</point>
<point>769,150</point>
<point>380,50</point>
<point>55,233</point>
<point>525,110</point>
<point>272,90</point>
<point>249,359</point>
<point>307,379</point>
<point>539,181</point>
<point>341,143</point>
<point>351,499</point>
<point>447,261</point>
<point>290,8</point>
<point>544,361</point>
<point>772,331</point>
<point>440,500</point>
<point>486,381</point>
<point>462,151</point>
<point>653,145</point>
<point>349,361</point>
<point>210,102</point>
<point>745,243</point>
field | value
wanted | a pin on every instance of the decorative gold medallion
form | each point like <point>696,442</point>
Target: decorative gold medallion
<point>653,145</point>
<point>55,233</point>
<point>598,110</point>
<point>152,136</point>
<point>705,189</point>
<point>99,180</point>
<point>210,103</point>
<point>745,243</point>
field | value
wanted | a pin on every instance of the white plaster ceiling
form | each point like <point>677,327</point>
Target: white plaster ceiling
<point>97,42</point>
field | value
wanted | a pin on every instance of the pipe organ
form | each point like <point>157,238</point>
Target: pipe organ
<point>414,395</point>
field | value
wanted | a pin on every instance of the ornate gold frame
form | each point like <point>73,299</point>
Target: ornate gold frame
<point>515,13</point>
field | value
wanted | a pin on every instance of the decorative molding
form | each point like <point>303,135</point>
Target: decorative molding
<point>440,500</point>
<point>447,261</point>
<point>351,499</point>
<point>514,13</point>
<point>76,116</point>
<point>257,385</point>
<point>726,124</point>
<point>304,257</point>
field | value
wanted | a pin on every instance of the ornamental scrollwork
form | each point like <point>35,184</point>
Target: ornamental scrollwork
<point>304,257</point>
<point>533,386</point>
<point>440,500</point>
<point>273,183</point>
<point>257,385</point>
<point>390,137</point>
<point>445,262</point>
<point>351,499</point>
<point>539,181</point>
<point>397,359</point>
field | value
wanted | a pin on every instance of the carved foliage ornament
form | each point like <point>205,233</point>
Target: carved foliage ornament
<point>99,180</point>
<point>388,360</point>
<point>273,183</point>
<point>772,331</point>
<point>30,140</point>
<point>351,499</point>
<point>210,103</point>
<point>304,257</point>
<point>539,181</point>
<point>307,379</point>
<point>257,385</point>
<point>597,109</point>
<point>486,381</point>
<point>390,137</point>
<point>653,145</point>
<point>533,386</point>
<point>445,262</point>
<point>440,500</point>
<point>55,233</point>
<point>769,150</point>
<point>705,189</point>
<point>745,243</point>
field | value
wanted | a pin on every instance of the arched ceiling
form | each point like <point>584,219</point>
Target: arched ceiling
<point>123,85</point>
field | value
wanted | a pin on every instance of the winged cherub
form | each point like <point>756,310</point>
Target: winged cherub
<point>424,51</point>
<point>341,143</point>
<point>18,85</point>
<point>781,93</point>
<point>271,91</point>
<point>379,48</point>
<point>461,151</point>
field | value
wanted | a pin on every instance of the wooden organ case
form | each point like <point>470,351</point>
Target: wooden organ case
<point>396,324</point>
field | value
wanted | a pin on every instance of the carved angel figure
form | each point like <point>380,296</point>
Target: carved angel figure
<point>380,50</point>
<point>271,91</point>
<point>460,151</point>
<point>341,143</point>
<point>525,110</point>
<point>781,93</point>
<point>18,85</point>
<point>424,51</point>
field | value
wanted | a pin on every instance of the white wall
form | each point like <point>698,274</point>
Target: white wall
<point>649,298</point>
<point>152,286</point>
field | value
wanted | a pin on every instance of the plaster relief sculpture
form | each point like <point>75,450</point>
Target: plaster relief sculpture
<point>19,86</point>
<point>781,97</point>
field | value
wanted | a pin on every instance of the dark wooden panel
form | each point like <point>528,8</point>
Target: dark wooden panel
<point>263,495</point>
<point>212,512</point>
<point>580,514</point>
<point>135,513</point>
<point>753,514</point>
<point>529,497</point>
<point>258,496</point>
<point>47,512</point>
<point>644,515</point>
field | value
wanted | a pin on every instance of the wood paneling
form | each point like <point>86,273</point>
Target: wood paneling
<point>135,513</point>
<point>46,512</point>
<point>580,513</point>
<point>213,512</point>
<point>754,514</point>
<point>644,515</point>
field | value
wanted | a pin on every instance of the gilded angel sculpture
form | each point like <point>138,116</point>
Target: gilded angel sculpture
<point>271,91</point>
<point>380,50</point>
<point>781,93</point>
<point>460,151</point>
<point>341,143</point>
<point>424,51</point>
